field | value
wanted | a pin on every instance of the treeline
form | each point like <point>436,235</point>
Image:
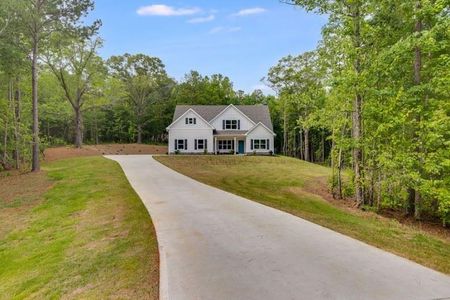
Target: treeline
<point>55,89</point>
<point>373,97</point>
<point>377,90</point>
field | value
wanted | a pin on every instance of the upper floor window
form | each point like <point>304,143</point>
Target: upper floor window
<point>231,124</point>
<point>191,121</point>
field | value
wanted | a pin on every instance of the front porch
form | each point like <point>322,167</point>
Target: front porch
<point>229,142</point>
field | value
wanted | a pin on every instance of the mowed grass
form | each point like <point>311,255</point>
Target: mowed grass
<point>84,234</point>
<point>288,184</point>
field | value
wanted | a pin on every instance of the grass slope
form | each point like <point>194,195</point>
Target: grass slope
<point>88,236</point>
<point>288,184</point>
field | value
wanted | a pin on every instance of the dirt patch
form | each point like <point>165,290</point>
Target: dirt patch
<point>428,224</point>
<point>19,193</point>
<point>433,226</point>
<point>52,154</point>
<point>22,188</point>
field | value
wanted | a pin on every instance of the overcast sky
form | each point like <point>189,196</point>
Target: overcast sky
<point>240,39</point>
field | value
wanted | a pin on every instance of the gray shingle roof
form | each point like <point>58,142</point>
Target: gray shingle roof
<point>257,113</point>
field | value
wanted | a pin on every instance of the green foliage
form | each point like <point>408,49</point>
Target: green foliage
<point>198,89</point>
<point>402,80</point>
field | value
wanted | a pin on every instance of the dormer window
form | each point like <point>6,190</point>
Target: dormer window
<point>231,124</point>
<point>191,121</point>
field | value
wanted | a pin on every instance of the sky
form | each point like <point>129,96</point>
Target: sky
<point>239,39</point>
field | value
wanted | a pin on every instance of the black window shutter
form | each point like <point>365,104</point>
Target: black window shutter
<point>195,121</point>
<point>176,144</point>
<point>267,144</point>
<point>185,145</point>
<point>186,120</point>
<point>239,124</point>
<point>251,144</point>
<point>223,124</point>
<point>205,144</point>
<point>195,144</point>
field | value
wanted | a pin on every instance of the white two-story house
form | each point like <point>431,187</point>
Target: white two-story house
<point>232,129</point>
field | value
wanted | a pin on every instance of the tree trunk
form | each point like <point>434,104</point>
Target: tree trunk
<point>78,127</point>
<point>357,153</point>
<point>339,176</point>
<point>323,147</point>
<point>35,166</point>
<point>307,151</point>
<point>139,133</point>
<point>17,120</point>
<point>302,156</point>
<point>410,205</point>
<point>357,111</point>
<point>417,81</point>
<point>96,126</point>
<point>4,161</point>
<point>379,191</point>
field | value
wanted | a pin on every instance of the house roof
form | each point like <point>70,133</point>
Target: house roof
<point>257,113</point>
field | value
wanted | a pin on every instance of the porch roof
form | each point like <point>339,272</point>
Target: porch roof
<point>230,132</point>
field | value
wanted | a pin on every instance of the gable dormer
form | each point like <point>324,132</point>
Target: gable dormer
<point>231,118</point>
<point>190,120</point>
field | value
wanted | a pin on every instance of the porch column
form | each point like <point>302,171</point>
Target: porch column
<point>235,146</point>
<point>215,145</point>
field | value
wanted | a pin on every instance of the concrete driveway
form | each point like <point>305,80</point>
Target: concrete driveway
<point>215,245</point>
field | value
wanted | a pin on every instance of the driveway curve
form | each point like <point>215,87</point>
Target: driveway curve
<point>216,245</point>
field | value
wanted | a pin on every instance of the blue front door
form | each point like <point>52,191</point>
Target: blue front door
<point>241,147</point>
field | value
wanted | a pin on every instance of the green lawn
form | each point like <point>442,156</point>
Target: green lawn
<point>288,184</point>
<point>76,230</point>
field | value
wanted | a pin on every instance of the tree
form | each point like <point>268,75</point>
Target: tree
<point>40,18</point>
<point>298,80</point>
<point>142,76</point>
<point>76,66</point>
<point>12,65</point>
<point>348,18</point>
<point>201,90</point>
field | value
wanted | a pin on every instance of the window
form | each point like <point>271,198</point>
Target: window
<point>191,121</point>
<point>226,144</point>
<point>201,144</point>
<point>259,144</point>
<point>231,124</point>
<point>180,144</point>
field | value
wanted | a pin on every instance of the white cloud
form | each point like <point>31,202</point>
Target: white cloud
<point>224,29</point>
<point>202,19</point>
<point>216,29</point>
<point>234,29</point>
<point>264,88</point>
<point>249,11</point>
<point>166,11</point>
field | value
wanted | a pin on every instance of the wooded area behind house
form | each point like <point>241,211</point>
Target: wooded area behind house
<point>372,100</point>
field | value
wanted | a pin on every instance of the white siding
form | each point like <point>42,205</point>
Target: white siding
<point>232,113</point>
<point>181,130</point>
<point>259,133</point>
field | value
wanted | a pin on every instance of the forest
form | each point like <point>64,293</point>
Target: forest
<point>371,101</point>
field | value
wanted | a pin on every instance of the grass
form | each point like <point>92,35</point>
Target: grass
<point>81,232</point>
<point>290,185</point>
